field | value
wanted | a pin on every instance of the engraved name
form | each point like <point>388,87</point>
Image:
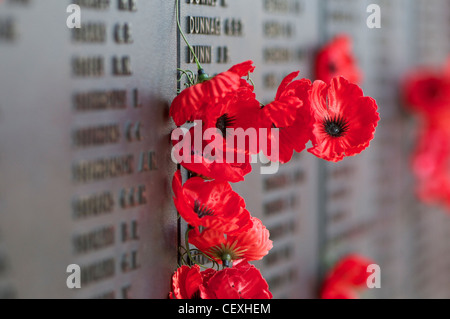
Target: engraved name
<point>93,4</point>
<point>94,240</point>
<point>203,2</point>
<point>204,25</point>
<point>203,53</point>
<point>88,66</point>
<point>283,6</point>
<point>100,100</point>
<point>97,135</point>
<point>90,33</point>
<point>93,205</point>
<point>98,271</point>
<point>274,29</point>
<point>101,169</point>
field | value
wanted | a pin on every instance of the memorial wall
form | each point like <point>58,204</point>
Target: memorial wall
<point>85,153</point>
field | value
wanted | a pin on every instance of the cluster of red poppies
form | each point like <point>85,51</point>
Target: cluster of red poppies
<point>334,115</point>
<point>426,92</point>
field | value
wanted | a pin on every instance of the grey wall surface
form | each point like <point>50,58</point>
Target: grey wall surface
<point>85,156</point>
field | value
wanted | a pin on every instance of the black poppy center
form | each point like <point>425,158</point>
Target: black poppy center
<point>196,295</point>
<point>332,67</point>
<point>224,122</point>
<point>433,92</point>
<point>202,210</point>
<point>335,126</point>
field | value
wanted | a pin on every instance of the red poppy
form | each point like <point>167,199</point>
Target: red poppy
<point>211,204</point>
<point>226,120</point>
<point>192,103</point>
<point>234,116</point>
<point>346,278</point>
<point>186,282</point>
<point>430,165</point>
<point>344,120</point>
<point>250,244</point>
<point>427,91</point>
<point>282,111</point>
<point>242,281</point>
<point>291,135</point>
<point>337,59</point>
<point>212,158</point>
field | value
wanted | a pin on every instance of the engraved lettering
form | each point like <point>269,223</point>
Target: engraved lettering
<point>7,29</point>
<point>101,169</point>
<point>100,100</point>
<point>204,25</point>
<point>136,101</point>
<point>274,29</point>
<point>283,6</point>
<point>234,27</point>
<point>127,5</point>
<point>88,66</point>
<point>277,55</point>
<point>92,206</point>
<point>94,240</point>
<point>129,232</point>
<point>222,55</point>
<point>129,261</point>
<point>93,4</point>
<point>97,135</point>
<point>133,131</point>
<point>211,3</point>
<point>90,33</point>
<point>98,271</point>
<point>122,33</point>
<point>203,53</point>
<point>147,162</point>
<point>122,66</point>
<point>132,197</point>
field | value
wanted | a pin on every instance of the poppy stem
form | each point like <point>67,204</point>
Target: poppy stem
<point>199,66</point>
<point>249,79</point>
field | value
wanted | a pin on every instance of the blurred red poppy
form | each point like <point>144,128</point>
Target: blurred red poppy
<point>344,120</point>
<point>427,91</point>
<point>346,278</point>
<point>337,59</point>
<point>431,166</point>
<point>211,204</point>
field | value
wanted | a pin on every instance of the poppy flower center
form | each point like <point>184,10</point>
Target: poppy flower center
<point>224,122</point>
<point>196,295</point>
<point>335,126</point>
<point>202,210</point>
<point>433,92</point>
<point>332,67</point>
